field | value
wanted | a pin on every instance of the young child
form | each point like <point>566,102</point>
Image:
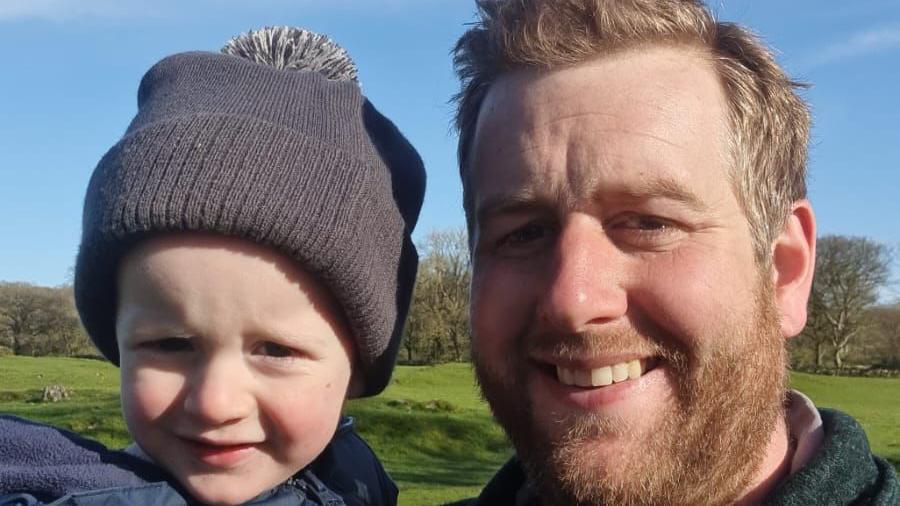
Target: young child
<point>246,261</point>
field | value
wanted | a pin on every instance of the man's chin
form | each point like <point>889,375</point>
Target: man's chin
<point>564,446</point>
<point>586,458</point>
<point>585,472</point>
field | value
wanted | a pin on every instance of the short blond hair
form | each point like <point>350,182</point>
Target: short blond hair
<point>769,122</point>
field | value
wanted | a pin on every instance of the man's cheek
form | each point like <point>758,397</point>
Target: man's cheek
<point>680,314</point>
<point>497,299</point>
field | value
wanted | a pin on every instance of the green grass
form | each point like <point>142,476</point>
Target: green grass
<point>430,427</point>
<point>93,410</point>
<point>23,373</point>
<point>433,433</point>
<point>874,402</point>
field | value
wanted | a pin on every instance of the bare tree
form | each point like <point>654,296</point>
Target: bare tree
<point>412,332</point>
<point>813,345</point>
<point>437,328</point>
<point>849,273</point>
<point>448,261</point>
<point>885,336</point>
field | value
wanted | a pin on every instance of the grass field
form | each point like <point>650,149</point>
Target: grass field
<point>430,427</point>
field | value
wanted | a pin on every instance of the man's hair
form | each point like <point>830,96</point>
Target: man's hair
<point>769,123</point>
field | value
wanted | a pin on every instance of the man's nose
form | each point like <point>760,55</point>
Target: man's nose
<point>219,393</point>
<point>584,283</point>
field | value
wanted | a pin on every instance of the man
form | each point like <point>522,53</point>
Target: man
<point>634,184</point>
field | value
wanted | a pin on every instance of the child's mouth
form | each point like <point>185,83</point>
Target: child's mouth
<point>219,454</point>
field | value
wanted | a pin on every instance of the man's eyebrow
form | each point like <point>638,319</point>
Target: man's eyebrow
<point>659,188</point>
<point>506,203</point>
<point>647,189</point>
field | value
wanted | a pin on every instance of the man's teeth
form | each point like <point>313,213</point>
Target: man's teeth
<point>601,376</point>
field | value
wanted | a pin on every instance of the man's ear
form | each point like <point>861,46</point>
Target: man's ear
<point>793,263</point>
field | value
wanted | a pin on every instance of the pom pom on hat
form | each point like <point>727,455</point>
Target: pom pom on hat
<point>288,48</point>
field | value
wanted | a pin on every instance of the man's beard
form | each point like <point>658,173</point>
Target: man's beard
<point>706,451</point>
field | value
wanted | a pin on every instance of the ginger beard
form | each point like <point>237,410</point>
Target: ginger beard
<point>704,450</point>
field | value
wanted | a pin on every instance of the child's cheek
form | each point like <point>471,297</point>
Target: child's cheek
<point>148,393</point>
<point>306,418</point>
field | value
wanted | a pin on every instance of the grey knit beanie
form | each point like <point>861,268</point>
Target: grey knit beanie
<point>273,152</point>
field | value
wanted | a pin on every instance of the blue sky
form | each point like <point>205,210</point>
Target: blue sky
<point>71,70</point>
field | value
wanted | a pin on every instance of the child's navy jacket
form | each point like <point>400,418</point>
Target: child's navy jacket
<point>43,465</point>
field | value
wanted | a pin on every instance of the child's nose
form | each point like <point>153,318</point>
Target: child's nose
<point>219,393</point>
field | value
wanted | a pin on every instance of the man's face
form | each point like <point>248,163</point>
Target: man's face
<point>623,333</point>
<point>235,363</point>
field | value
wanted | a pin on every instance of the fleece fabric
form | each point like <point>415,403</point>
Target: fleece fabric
<point>43,465</point>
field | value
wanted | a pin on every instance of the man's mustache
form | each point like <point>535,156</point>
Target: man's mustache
<point>601,343</point>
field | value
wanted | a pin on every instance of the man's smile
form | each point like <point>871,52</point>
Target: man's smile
<point>600,383</point>
<point>602,376</point>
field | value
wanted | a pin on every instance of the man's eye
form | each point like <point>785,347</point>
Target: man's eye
<point>525,235</point>
<point>645,231</point>
<point>649,223</point>
<point>170,345</point>
<point>275,350</point>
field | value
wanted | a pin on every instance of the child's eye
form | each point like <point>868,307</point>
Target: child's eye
<point>275,350</point>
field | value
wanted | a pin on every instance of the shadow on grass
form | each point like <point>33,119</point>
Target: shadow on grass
<point>463,448</point>
<point>894,462</point>
<point>448,474</point>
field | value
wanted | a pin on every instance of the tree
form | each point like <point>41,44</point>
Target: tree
<point>437,328</point>
<point>69,337</point>
<point>447,262</point>
<point>39,320</point>
<point>849,273</point>
<point>885,336</point>
<point>22,312</point>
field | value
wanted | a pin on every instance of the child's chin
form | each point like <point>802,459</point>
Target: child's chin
<point>226,491</point>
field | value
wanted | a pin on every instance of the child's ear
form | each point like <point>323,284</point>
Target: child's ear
<point>793,263</point>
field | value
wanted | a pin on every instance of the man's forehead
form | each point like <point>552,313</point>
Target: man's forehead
<point>630,76</point>
<point>647,107</point>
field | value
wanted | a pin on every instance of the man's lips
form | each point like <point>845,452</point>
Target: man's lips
<point>596,383</point>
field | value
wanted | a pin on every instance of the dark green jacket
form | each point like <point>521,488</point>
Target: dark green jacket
<point>842,472</point>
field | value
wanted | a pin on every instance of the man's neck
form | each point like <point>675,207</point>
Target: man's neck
<point>775,467</point>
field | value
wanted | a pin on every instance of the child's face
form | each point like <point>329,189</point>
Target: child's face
<point>235,364</point>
